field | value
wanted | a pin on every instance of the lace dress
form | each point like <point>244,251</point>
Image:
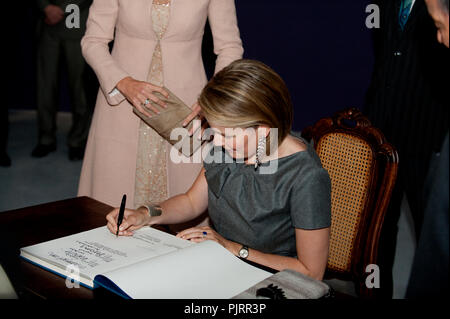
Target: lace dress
<point>151,163</point>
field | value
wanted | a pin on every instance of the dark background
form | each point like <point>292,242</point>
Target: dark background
<point>322,49</point>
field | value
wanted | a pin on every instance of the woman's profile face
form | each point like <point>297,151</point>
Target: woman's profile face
<point>240,143</point>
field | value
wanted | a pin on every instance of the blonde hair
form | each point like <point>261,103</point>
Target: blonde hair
<point>248,93</point>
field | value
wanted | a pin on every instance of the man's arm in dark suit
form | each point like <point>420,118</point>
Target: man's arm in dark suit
<point>82,4</point>
<point>42,4</point>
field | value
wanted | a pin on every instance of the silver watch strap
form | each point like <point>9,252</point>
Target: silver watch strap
<point>153,210</point>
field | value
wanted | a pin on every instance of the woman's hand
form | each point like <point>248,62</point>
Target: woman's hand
<point>132,219</point>
<point>199,234</point>
<point>137,93</point>
<point>196,109</point>
<point>53,14</point>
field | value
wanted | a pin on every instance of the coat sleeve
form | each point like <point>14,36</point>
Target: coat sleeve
<point>94,45</point>
<point>225,31</point>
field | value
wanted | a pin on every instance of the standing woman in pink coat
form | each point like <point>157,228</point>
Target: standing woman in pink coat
<point>156,43</point>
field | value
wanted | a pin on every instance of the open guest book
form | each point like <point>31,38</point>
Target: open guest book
<point>150,264</point>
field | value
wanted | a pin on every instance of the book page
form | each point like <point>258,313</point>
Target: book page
<point>203,270</point>
<point>98,251</point>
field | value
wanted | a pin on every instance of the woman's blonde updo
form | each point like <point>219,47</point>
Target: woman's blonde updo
<point>248,93</point>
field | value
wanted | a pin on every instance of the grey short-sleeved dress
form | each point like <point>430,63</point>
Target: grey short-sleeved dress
<point>263,210</point>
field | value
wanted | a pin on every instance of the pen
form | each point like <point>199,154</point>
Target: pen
<point>121,212</point>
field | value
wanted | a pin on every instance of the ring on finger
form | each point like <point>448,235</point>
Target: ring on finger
<point>204,234</point>
<point>146,102</point>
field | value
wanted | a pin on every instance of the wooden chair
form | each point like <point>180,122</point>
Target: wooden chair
<point>363,169</point>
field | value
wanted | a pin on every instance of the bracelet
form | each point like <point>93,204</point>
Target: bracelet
<point>153,210</point>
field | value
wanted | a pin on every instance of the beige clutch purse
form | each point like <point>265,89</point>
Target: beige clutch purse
<point>170,118</point>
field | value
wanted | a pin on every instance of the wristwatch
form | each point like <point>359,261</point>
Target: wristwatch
<point>243,252</point>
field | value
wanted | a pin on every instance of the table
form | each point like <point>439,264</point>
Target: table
<point>36,224</point>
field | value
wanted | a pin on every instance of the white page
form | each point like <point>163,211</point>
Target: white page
<point>98,251</point>
<point>205,270</point>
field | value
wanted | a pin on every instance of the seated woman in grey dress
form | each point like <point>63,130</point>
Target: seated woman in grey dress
<point>267,195</point>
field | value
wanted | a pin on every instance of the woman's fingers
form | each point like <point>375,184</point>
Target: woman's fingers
<point>130,222</point>
<point>149,94</point>
<point>196,125</point>
<point>199,240</point>
<point>138,105</point>
<point>137,92</point>
<point>126,233</point>
<point>188,231</point>
<point>154,88</point>
<point>112,216</point>
<point>155,100</point>
<point>194,235</point>
<point>149,91</point>
<point>196,232</point>
<point>129,231</point>
<point>112,228</point>
<point>132,228</point>
<point>146,106</point>
<point>195,111</point>
<point>205,125</point>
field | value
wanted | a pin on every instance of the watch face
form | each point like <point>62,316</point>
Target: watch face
<point>243,253</point>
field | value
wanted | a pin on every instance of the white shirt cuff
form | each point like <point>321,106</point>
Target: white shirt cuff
<point>114,92</point>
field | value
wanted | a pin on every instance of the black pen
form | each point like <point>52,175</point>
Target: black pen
<point>121,212</point>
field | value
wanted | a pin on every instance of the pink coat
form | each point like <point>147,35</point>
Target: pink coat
<point>109,165</point>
